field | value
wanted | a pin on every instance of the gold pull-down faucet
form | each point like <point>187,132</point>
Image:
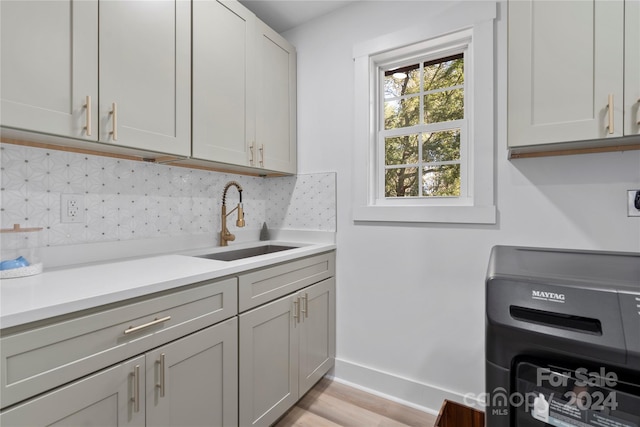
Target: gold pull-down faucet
<point>225,235</point>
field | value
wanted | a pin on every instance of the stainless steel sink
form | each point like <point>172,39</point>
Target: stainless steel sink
<point>246,253</point>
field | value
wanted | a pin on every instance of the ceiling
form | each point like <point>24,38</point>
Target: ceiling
<point>283,15</point>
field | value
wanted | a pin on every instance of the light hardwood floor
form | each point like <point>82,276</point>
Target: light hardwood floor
<point>331,404</point>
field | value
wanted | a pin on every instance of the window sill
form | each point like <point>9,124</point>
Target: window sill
<point>426,214</point>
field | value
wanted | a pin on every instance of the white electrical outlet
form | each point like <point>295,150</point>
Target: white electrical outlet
<point>631,202</point>
<point>72,208</point>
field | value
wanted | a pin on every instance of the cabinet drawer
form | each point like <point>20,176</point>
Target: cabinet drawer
<point>48,356</point>
<point>261,286</point>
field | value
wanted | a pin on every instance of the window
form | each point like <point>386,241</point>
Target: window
<point>424,121</point>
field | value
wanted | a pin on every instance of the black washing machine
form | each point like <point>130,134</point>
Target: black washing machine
<point>562,338</point>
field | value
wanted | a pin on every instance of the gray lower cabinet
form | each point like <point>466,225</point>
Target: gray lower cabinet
<point>317,333</point>
<point>102,399</point>
<point>44,357</point>
<point>179,357</point>
<point>194,381</point>
<point>268,362</point>
<point>168,359</point>
<point>189,382</point>
<point>286,346</point>
<point>268,284</point>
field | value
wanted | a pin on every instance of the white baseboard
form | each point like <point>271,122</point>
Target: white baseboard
<point>424,397</point>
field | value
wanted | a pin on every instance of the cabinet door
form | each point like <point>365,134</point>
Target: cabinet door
<point>268,361</point>
<point>276,101</point>
<point>632,67</point>
<point>145,71</point>
<point>223,45</point>
<point>50,66</point>
<point>194,381</point>
<point>317,332</point>
<point>565,60</point>
<point>103,399</point>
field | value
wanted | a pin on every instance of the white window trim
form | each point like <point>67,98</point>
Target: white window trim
<point>474,19</point>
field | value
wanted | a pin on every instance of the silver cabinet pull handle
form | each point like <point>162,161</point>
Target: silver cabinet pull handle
<point>132,329</point>
<point>87,107</point>
<point>160,385</point>
<point>251,148</point>
<point>296,310</point>
<point>610,127</point>
<point>136,388</point>
<point>305,310</point>
<point>638,122</point>
<point>114,122</point>
<point>262,155</point>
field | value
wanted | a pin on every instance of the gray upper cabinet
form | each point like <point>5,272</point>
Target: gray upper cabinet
<point>120,72</point>
<point>50,66</point>
<point>244,89</point>
<point>574,75</point>
<point>59,56</point>
<point>223,46</point>
<point>275,140</point>
<point>632,68</point>
<point>145,70</point>
<point>566,68</point>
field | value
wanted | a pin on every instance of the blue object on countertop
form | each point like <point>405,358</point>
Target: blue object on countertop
<point>14,263</point>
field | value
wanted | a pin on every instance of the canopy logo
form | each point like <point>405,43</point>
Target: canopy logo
<point>547,296</point>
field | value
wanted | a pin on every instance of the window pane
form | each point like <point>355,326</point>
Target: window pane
<point>401,182</point>
<point>444,106</point>
<point>444,73</point>
<point>402,113</point>
<point>441,146</point>
<point>443,180</point>
<point>401,150</point>
<point>402,81</point>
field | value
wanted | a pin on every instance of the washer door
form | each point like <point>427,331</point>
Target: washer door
<point>550,395</point>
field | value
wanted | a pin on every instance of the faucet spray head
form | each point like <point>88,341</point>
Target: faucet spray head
<point>240,221</point>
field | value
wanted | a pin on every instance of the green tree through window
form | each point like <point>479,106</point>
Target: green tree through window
<point>422,152</point>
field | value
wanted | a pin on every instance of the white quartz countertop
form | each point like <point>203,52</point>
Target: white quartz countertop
<point>70,289</point>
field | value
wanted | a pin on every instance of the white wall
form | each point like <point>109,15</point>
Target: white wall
<point>411,298</point>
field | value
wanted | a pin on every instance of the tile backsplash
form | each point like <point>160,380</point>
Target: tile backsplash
<point>125,199</point>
